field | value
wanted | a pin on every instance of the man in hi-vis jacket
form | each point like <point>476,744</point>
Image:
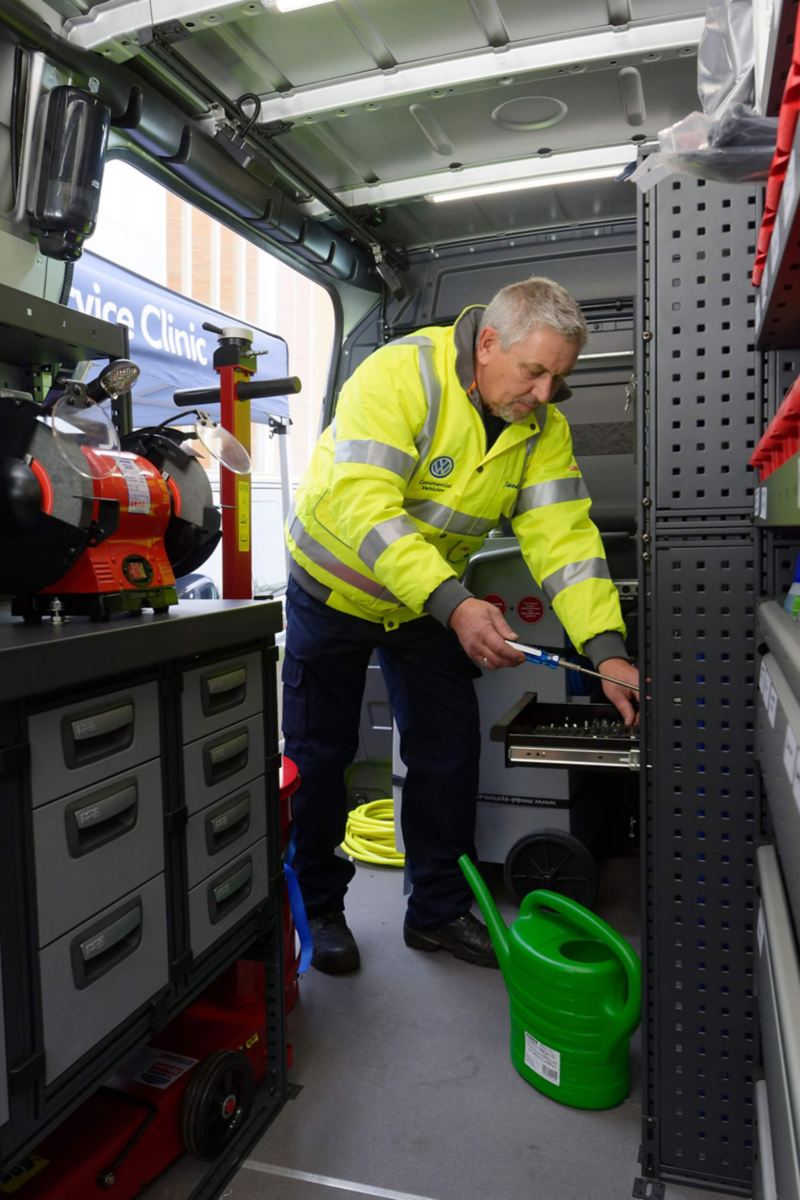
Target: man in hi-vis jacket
<point>437,437</point>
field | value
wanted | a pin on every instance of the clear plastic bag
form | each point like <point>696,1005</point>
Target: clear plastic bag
<point>728,141</point>
<point>725,71</point>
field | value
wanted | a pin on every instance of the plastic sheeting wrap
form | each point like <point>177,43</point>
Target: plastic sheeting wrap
<point>728,141</point>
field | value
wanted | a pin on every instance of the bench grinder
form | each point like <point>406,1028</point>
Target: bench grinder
<point>91,526</point>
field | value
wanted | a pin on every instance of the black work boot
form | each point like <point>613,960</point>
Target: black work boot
<point>335,949</point>
<point>466,938</point>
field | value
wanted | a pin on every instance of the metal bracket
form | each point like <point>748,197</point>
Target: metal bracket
<point>387,271</point>
<point>119,27</point>
<point>648,1189</point>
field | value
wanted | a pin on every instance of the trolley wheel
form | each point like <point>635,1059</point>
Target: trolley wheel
<point>551,859</point>
<point>217,1103</point>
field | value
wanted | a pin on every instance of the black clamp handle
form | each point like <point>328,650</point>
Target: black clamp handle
<point>251,389</point>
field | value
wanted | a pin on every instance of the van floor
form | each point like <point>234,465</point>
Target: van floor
<point>406,1088</point>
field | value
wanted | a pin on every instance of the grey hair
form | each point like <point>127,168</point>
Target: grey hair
<point>532,304</point>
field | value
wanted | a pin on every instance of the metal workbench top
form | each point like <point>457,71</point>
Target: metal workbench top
<point>35,659</point>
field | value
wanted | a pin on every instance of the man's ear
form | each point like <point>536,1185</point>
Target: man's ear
<point>486,343</point>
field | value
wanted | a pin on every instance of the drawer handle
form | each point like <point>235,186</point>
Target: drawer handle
<point>224,758</point>
<point>106,944</point>
<point>218,693</point>
<point>227,894</point>
<point>97,735</point>
<point>228,822</point>
<point>100,819</point>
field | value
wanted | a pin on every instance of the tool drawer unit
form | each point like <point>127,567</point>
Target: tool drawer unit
<point>139,798</point>
<point>778,970</point>
<point>224,789</point>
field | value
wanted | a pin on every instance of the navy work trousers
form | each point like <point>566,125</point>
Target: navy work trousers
<point>430,681</point>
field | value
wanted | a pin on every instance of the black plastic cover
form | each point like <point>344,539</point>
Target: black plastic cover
<point>69,173</point>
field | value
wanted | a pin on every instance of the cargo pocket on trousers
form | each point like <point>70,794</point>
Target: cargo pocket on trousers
<point>295,699</point>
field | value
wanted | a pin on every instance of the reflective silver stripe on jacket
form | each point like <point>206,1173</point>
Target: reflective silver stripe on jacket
<point>381,536</point>
<point>577,572</point>
<point>556,491</point>
<point>441,517</point>
<point>308,583</point>
<point>530,446</point>
<point>323,558</point>
<point>432,390</point>
<point>376,454</point>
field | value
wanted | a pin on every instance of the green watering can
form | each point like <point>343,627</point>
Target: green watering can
<point>574,991</point>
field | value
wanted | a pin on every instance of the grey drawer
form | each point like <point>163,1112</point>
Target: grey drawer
<point>94,977</point>
<point>779,1004</point>
<point>224,829</point>
<point>95,846</point>
<point>3,1062</point>
<point>220,693</point>
<point>778,739</point>
<point>216,765</point>
<point>220,902</point>
<point>78,744</point>
<point>764,1187</point>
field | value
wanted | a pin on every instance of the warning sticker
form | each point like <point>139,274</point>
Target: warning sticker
<point>496,600</point>
<point>136,483</point>
<point>22,1173</point>
<point>243,513</point>
<point>164,1069</point>
<point>530,609</point>
<point>157,1068</point>
<point>542,1060</point>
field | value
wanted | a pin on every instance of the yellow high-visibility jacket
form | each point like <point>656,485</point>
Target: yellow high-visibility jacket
<point>401,490</point>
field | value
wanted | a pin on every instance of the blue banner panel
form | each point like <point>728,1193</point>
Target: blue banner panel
<point>168,341</point>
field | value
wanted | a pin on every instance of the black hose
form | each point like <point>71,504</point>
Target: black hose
<point>69,271</point>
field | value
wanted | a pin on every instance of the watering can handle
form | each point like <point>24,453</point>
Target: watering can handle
<point>587,922</point>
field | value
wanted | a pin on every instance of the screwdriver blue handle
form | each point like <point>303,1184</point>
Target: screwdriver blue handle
<point>541,658</point>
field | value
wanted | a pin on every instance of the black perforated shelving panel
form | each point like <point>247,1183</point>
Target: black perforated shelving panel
<point>701,390</point>
<point>703,360</point>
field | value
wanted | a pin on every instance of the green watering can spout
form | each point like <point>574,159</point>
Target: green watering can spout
<point>498,930</point>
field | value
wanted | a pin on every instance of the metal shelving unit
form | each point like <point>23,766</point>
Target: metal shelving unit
<point>699,376</point>
<point>63,1034</point>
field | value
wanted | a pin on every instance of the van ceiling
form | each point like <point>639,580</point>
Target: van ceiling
<point>382,104</point>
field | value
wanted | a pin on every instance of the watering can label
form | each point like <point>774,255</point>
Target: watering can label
<point>542,1060</point>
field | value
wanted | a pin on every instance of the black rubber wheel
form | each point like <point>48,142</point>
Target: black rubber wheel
<point>551,859</point>
<point>217,1102</point>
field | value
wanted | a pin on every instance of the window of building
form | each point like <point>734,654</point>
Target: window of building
<point>146,229</point>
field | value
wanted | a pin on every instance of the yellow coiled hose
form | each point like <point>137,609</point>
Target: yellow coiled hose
<point>369,836</point>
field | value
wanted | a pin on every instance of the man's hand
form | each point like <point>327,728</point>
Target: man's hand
<point>622,697</point>
<point>481,629</point>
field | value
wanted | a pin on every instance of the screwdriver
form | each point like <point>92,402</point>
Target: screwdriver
<point>543,659</point>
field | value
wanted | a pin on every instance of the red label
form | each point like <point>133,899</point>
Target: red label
<point>530,609</point>
<point>497,601</point>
